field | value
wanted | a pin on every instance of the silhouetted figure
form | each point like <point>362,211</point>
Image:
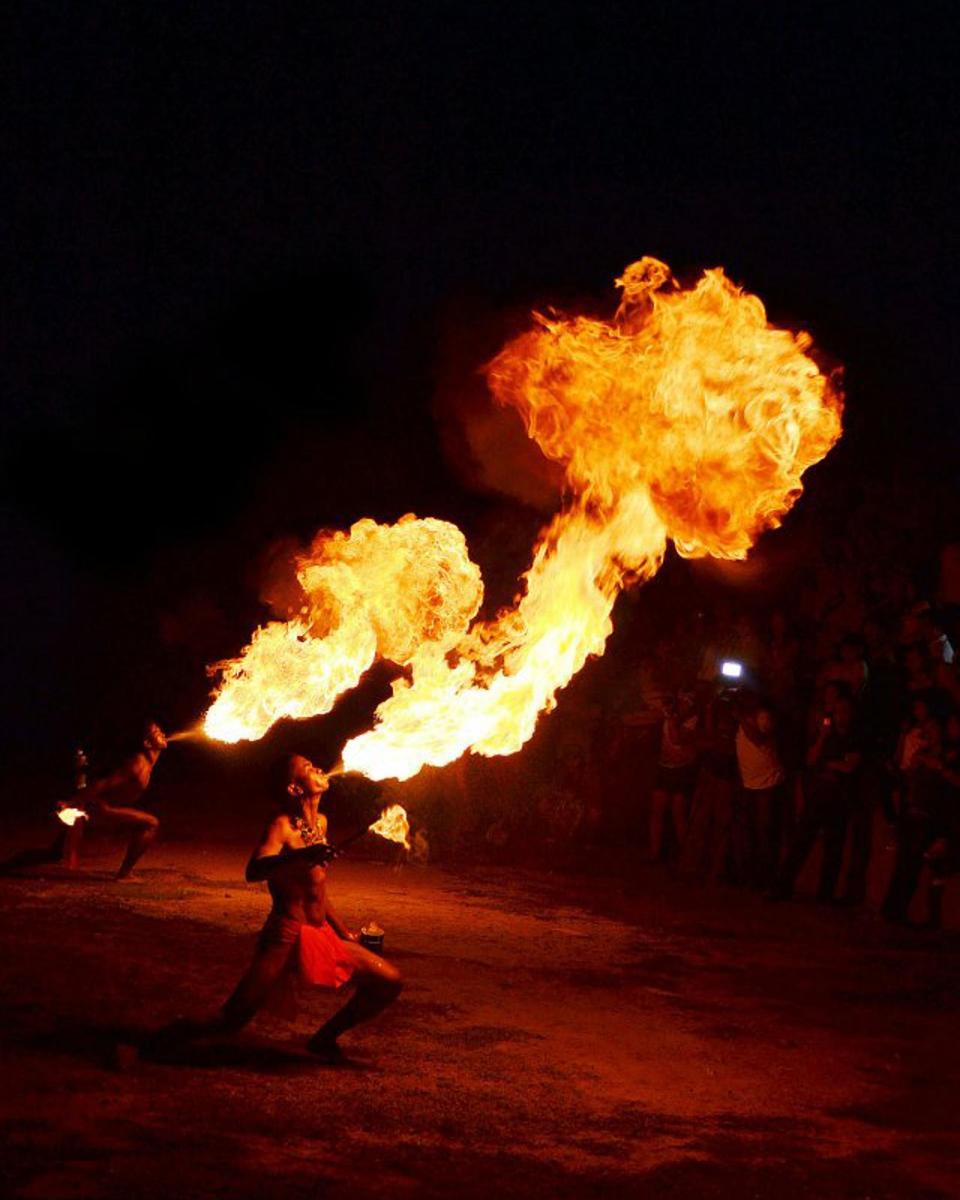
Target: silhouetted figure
<point>761,798</point>
<point>109,802</point>
<point>833,762</point>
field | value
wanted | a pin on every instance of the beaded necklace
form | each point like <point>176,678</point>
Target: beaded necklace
<point>311,834</point>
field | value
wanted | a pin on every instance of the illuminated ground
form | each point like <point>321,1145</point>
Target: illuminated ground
<point>663,1042</point>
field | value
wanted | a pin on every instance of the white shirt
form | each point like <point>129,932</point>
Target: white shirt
<point>760,766</point>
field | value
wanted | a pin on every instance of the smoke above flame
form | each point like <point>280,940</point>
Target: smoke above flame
<point>686,416</point>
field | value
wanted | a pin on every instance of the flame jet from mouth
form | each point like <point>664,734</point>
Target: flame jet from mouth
<point>686,416</point>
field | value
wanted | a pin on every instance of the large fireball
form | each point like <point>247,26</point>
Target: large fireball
<point>685,416</point>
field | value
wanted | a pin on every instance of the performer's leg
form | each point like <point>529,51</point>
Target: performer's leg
<point>250,994</point>
<point>247,998</point>
<point>378,984</point>
<point>144,828</point>
<point>71,845</point>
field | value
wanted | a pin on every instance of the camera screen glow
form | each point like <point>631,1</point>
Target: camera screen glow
<point>730,669</point>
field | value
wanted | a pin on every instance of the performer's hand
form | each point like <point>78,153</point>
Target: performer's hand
<point>321,853</point>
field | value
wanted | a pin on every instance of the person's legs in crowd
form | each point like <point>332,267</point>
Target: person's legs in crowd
<point>700,827</point>
<point>812,820</point>
<point>720,866</point>
<point>836,817</point>
<point>942,863</point>
<point>913,838</point>
<point>861,844</point>
<point>935,902</point>
<point>679,813</point>
<point>658,812</point>
<point>767,821</point>
<point>741,836</point>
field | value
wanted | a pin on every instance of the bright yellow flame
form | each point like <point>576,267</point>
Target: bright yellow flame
<point>686,416</point>
<point>70,816</point>
<point>379,590</point>
<point>393,825</point>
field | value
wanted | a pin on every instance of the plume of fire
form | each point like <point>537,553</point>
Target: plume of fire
<point>685,416</point>
<point>387,591</point>
<point>393,825</point>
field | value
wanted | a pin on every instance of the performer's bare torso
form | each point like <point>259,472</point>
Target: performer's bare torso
<point>298,888</point>
<point>126,785</point>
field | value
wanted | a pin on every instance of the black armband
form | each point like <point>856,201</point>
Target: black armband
<point>262,868</point>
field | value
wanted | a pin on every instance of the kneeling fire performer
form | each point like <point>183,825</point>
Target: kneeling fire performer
<point>302,935</point>
<point>109,802</point>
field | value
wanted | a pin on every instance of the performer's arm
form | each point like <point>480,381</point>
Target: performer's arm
<point>102,786</point>
<point>269,854</point>
<point>338,926</point>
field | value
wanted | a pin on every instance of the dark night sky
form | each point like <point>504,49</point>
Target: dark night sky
<point>235,233</point>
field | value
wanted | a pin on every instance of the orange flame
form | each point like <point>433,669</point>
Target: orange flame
<point>393,825</point>
<point>686,416</point>
<point>384,591</point>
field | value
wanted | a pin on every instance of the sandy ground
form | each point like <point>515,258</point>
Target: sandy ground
<point>555,1038</point>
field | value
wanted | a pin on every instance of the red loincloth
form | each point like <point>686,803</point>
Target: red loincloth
<point>319,957</point>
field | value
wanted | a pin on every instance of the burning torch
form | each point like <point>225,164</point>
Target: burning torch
<point>392,824</point>
<point>66,813</point>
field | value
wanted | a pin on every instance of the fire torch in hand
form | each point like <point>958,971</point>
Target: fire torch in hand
<point>68,813</point>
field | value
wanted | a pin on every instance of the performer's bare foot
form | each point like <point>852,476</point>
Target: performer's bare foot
<point>327,1050</point>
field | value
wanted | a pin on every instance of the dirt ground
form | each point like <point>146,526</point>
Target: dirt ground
<point>557,1037</point>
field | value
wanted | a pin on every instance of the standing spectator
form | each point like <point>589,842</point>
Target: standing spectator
<point>759,805</point>
<point>707,847</point>
<point>848,666</point>
<point>833,763</point>
<point>919,732</point>
<point>948,592</point>
<point>943,854</point>
<point>918,669</point>
<point>882,696</point>
<point>676,774</point>
<point>922,758</point>
<point>920,626</point>
<point>825,704</point>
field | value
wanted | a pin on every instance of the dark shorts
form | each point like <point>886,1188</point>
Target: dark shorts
<point>677,781</point>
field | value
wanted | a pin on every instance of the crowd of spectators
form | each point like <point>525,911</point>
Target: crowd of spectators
<point>833,721</point>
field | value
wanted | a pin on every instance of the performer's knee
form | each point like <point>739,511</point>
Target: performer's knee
<point>385,979</point>
<point>391,980</point>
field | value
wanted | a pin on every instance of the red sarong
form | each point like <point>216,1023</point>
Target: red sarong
<point>319,957</point>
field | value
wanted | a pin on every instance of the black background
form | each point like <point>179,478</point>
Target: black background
<point>245,241</point>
